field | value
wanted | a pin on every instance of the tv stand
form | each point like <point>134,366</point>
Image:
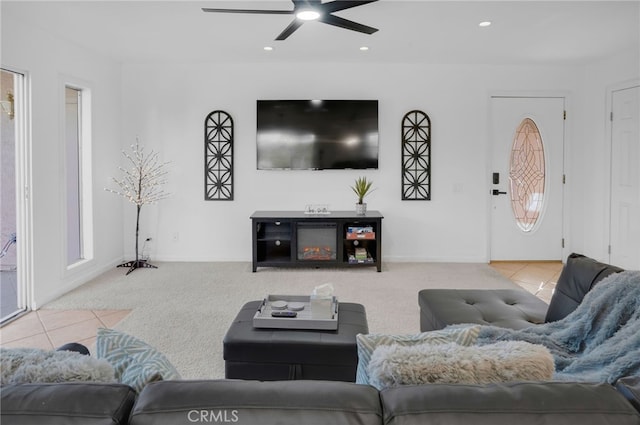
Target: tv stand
<point>296,239</point>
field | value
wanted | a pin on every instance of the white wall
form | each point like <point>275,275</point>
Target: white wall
<point>50,63</point>
<point>166,106</point>
<point>591,153</point>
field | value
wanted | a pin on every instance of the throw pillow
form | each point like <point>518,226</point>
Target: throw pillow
<point>505,361</point>
<point>367,343</point>
<point>136,363</point>
<point>32,365</point>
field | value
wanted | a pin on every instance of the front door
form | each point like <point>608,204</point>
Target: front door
<point>527,178</point>
<point>625,179</point>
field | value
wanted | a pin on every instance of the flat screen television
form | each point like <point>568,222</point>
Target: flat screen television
<point>317,134</point>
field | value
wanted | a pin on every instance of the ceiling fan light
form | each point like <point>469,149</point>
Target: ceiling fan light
<point>308,15</point>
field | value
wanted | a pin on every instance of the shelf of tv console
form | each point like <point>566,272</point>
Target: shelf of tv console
<point>298,239</point>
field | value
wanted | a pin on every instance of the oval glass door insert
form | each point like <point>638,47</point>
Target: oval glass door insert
<point>527,175</point>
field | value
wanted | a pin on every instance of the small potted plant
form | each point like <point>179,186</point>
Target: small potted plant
<point>362,187</point>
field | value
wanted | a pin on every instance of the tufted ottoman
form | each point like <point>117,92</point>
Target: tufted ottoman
<point>281,354</point>
<point>508,308</point>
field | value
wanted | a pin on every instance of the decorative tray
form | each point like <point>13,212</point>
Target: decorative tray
<point>303,319</point>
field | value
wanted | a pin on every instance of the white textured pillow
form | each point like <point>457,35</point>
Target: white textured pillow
<point>31,365</point>
<point>505,361</point>
<point>136,363</point>
<point>367,343</point>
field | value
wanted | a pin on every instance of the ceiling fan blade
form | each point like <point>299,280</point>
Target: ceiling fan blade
<point>308,3</point>
<point>347,24</point>
<point>336,5</point>
<point>294,25</point>
<point>264,12</point>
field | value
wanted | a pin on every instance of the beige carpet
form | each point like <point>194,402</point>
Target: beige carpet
<point>184,309</point>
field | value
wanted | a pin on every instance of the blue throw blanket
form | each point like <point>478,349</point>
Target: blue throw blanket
<point>598,342</point>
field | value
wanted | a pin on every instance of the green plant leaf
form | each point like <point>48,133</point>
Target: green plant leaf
<point>361,188</point>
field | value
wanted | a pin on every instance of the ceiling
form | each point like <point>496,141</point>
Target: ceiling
<point>418,31</point>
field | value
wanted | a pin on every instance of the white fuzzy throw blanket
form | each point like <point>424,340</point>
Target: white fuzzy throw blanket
<point>393,365</point>
<point>25,365</point>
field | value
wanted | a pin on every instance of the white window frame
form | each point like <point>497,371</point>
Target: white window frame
<point>85,173</point>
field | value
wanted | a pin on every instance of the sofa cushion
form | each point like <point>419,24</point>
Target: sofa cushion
<point>550,403</point>
<point>74,403</point>
<point>136,363</point>
<point>367,343</point>
<point>508,308</point>
<point>579,275</point>
<point>257,402</point>
<point>504,361</point>
<point>630,387</point>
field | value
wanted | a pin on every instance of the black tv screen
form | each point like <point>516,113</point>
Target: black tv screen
<point>317,134</point>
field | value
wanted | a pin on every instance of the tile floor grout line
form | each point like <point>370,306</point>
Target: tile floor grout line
<point>98,317</point>
<point>44,328</point>
<point>47,331</point>
<point>102,323</point>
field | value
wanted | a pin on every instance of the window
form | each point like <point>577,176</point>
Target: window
<point>78,178</point>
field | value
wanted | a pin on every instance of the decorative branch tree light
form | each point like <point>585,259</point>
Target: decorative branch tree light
<point>141,184</point>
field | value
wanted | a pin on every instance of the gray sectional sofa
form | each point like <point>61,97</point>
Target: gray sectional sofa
<point>315,403</point>
<point>306,402</point>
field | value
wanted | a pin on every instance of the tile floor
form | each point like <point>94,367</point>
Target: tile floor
<point>49,329</point>
<point>537,277</point>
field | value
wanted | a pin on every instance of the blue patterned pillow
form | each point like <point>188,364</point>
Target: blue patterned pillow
<point>366,343</point>
<point>135,362</point>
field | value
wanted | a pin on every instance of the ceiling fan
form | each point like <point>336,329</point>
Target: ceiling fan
<point>308,10</point>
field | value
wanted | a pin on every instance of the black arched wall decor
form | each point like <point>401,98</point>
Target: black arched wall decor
<point>416,157</point>
<point>218,157</point>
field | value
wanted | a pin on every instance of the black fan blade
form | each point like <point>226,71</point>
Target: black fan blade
<point>264,12</point>
<point>294,25</point>
<point>306,3</point>
<point>347,24</point>
<point>336,5</point>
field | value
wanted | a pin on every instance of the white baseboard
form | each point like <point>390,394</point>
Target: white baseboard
<point>399,259</point>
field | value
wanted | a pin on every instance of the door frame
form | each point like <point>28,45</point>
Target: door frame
<point>566,149</point>
<point>24,203</point>
<point>608,156</point>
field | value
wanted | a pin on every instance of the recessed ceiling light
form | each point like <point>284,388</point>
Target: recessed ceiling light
<point>484,24</point>
<point>307,15</point>
<point>268,48</point>
<point>364,48</point>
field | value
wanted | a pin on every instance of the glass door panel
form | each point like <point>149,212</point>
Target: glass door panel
<point>8,254</point>
<point>527,175</point>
